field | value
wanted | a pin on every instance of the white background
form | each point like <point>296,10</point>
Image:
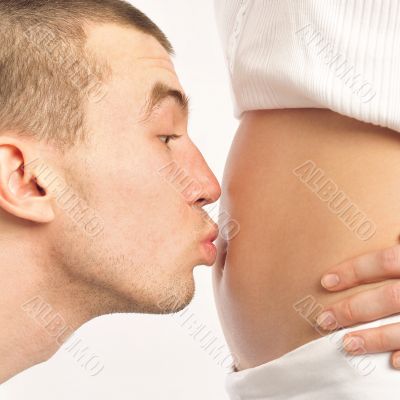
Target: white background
<point>154,357</point>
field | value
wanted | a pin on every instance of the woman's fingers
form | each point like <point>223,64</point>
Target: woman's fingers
<point>396,359</point>
<point>375,340</point>
<point>371,267</point>
<point>365,306</point>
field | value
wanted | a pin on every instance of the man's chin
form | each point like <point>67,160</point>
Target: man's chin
<point>170,299</point>
<point>157,295</point>
<point>176,301</point>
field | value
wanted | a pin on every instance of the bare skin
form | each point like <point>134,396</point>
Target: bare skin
<point>153,232</point>
<point>289,236</point>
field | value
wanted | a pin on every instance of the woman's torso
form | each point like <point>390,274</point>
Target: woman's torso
<point>290,228</point>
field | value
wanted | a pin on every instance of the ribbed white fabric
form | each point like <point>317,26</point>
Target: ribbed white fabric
<point>343,55</point>
<point>320,370</point>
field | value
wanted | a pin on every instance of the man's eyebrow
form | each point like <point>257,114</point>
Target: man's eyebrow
<point>159,93</point>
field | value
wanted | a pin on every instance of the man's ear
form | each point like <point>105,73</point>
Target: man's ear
<point>20,193</point>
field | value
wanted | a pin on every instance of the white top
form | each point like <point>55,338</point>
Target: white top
<point>343,55</point>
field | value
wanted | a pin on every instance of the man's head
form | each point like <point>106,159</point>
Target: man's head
<point>98,177</point>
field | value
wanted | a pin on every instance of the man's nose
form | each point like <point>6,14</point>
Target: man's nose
<point>204,188</point>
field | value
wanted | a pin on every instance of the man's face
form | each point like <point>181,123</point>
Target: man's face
<point>148,189</point>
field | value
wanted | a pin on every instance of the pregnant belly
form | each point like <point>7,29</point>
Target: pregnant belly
<point>306,189</point>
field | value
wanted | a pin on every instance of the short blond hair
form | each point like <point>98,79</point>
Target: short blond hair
<point>46,73</point>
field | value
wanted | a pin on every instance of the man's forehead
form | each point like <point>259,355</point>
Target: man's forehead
<point>151,65</point>
<point>140,66</point>
<point>123,46</point>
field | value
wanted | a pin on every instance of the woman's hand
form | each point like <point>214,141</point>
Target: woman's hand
<point>369,305</point>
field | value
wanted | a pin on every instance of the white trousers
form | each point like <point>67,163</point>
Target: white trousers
<point>320,370</point>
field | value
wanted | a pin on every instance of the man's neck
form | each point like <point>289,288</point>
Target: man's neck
<point>36,316</point>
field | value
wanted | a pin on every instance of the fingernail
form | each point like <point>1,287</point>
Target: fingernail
<point>329,281</point>
<point>396,362</point>
<point>353,344</point>
<point>327,320</point>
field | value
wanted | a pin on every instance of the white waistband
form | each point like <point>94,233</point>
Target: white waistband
<point>320,370</point>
